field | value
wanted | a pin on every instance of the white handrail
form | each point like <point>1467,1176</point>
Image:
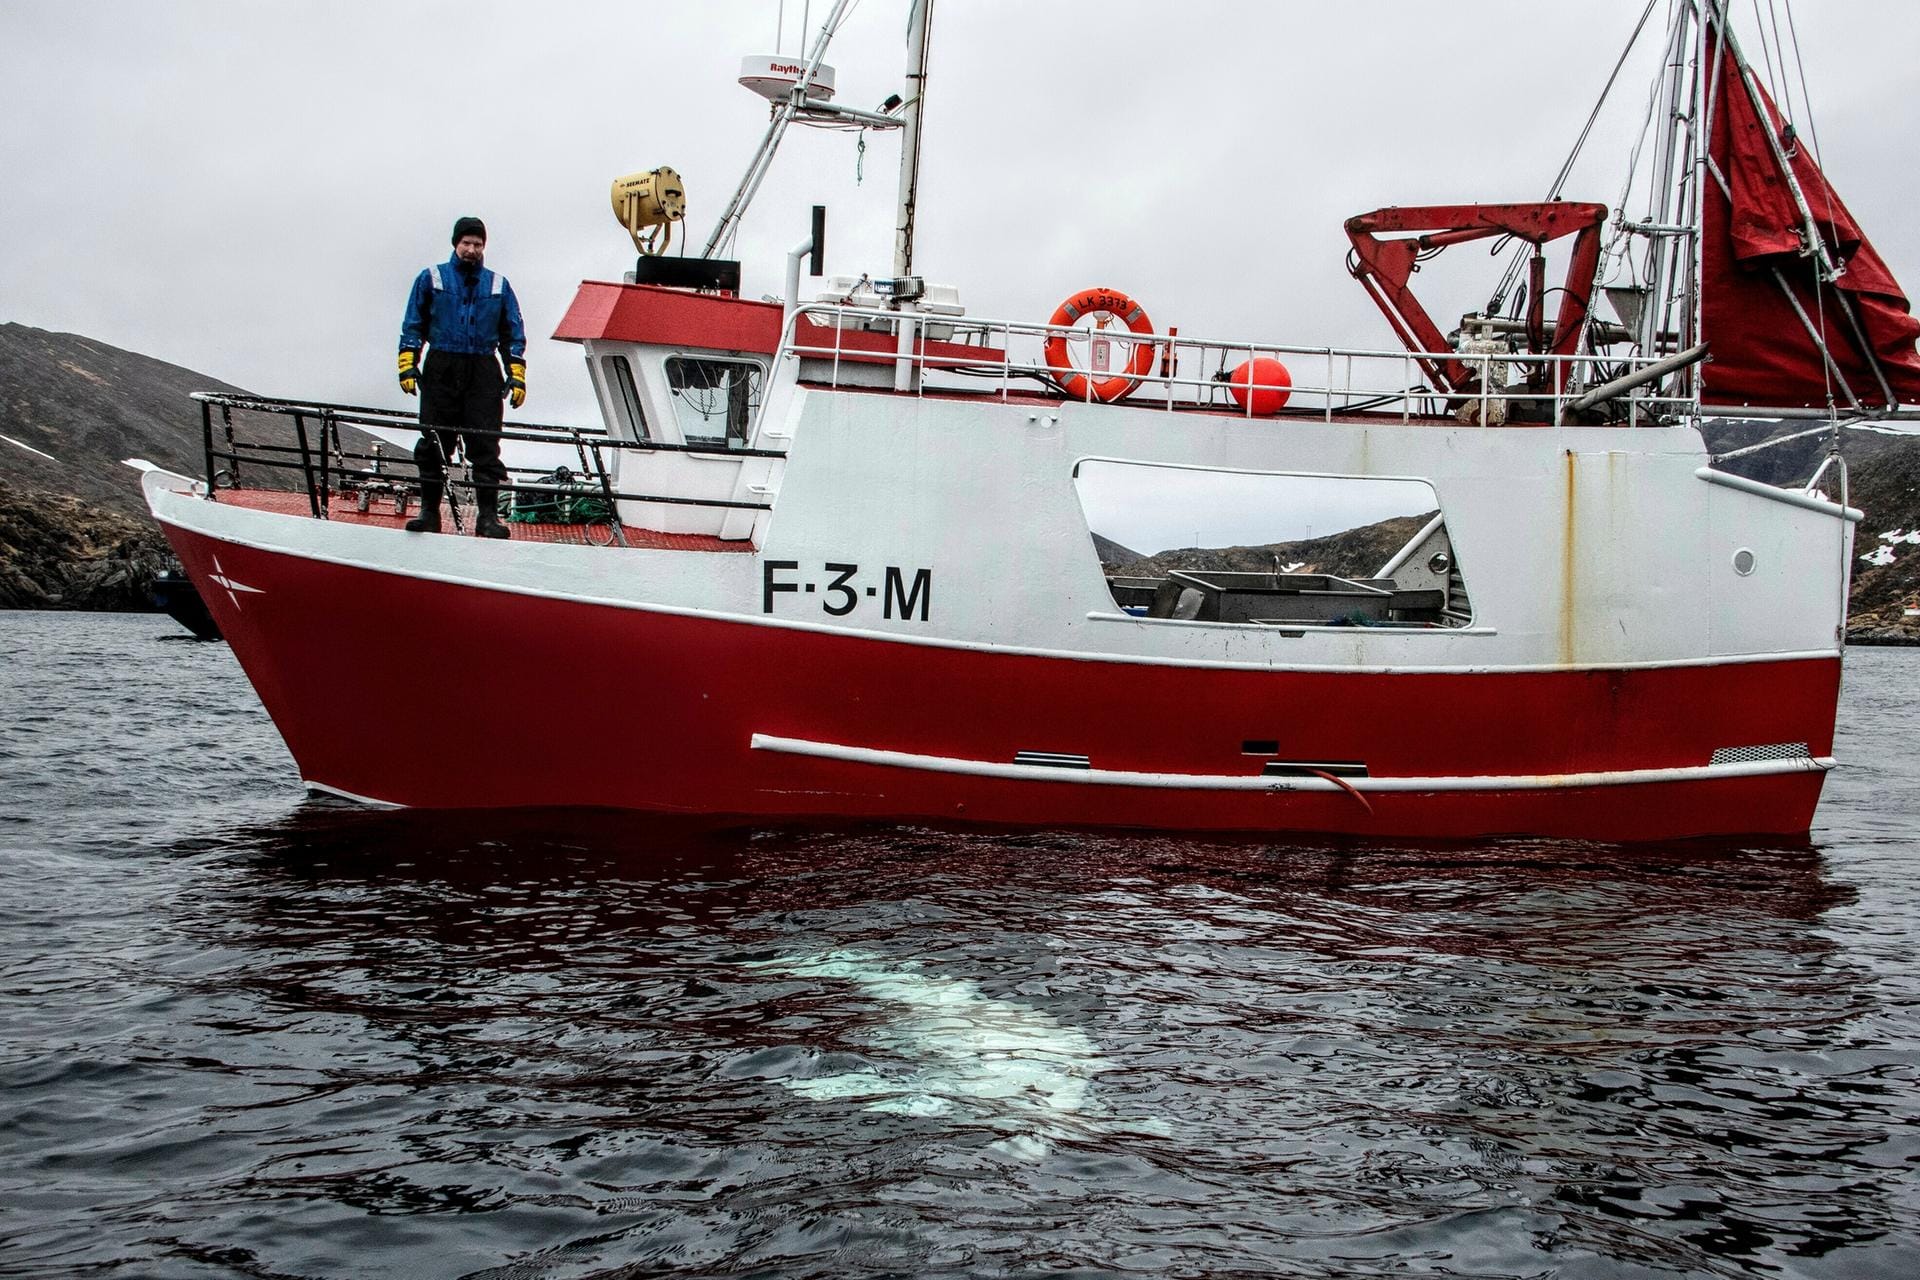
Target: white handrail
<point>1564,379</point>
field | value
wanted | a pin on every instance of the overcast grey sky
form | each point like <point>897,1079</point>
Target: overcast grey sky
<point>246,187</point>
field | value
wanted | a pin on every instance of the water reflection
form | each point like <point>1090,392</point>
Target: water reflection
<point>351,1044</point>
<point>674,1046</point>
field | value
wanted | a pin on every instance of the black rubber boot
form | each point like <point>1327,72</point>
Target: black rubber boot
<point>487,522</point>
<point>428,521</point>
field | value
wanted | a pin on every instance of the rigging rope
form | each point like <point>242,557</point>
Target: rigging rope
<point>1744,450</point>
<point>1800,66</point>
<point>1786,85</point>
<point>1781,87</point>
<point>1766,56</point>
<point>1567,168</point>
<point>1518,264</point>
<point>1806,103</point>
<point>1618,246</point>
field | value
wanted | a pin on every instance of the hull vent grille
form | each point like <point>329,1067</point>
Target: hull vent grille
<point>1771,751</point>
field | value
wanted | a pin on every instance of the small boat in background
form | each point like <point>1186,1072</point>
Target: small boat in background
<point>176,596</point>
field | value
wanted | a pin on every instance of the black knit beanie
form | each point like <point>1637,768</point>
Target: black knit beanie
<point>469,226</point>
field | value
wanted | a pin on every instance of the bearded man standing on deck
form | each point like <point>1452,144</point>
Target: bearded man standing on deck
<point>464,314</point>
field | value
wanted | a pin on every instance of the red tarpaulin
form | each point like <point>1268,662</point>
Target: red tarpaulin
<point>1760,352</point>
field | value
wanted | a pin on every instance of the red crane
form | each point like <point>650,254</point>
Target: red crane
<point>1385,266</point>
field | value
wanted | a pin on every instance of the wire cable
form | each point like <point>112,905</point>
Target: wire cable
<point>1813,131</point>
<point>1518,262</point>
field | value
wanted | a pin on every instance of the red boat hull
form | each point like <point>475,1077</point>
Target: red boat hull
<point>413,692</point>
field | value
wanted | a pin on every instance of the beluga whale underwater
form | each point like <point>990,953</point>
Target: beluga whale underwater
<point>963,1055</point>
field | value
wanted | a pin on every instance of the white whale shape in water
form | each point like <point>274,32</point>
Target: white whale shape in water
<point>971,1055</point>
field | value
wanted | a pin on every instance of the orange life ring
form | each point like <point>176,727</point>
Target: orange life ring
<point>1081,386</point>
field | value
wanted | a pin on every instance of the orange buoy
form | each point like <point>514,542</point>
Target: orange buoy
<point>1082,386</point>
<point>1261,385</point>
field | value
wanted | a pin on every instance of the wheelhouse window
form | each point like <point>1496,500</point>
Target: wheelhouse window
<point>714,400</point>
<point>1202,545</point>
<point>626,395</point>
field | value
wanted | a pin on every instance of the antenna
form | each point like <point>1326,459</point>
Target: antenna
<point>803,91</point>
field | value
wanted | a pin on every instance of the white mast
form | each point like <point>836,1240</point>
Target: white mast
<point>1706,91</point>
<point>1669,213</point>
<point>918,21</point>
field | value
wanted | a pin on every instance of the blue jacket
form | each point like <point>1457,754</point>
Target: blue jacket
<point>472,314</point>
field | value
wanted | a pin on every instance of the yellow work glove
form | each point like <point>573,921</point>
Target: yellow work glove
<point>516,382</point>
<point>409,374</point>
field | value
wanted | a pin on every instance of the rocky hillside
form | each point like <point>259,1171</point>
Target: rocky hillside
<point>1883,481</point>
<point>61,552</point>
<point>73,408</point>
<point>1354,553</point>
<point>74,531</point>
<point>1886,568</point>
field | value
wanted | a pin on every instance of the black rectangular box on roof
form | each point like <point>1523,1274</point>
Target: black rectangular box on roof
<point>688,273</point>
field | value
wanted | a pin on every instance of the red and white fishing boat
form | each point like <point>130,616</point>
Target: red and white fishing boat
<point>850,568</point>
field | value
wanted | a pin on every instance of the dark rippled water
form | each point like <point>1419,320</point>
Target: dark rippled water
<point>244,1036</point>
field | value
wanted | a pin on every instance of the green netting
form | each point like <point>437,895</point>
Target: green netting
<point>577,502</point>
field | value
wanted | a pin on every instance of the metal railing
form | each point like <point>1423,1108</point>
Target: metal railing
<point>319,462</point>
<point>1327,382</point>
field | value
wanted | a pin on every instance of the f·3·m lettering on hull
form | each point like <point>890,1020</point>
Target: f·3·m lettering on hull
<point>841,590</point>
